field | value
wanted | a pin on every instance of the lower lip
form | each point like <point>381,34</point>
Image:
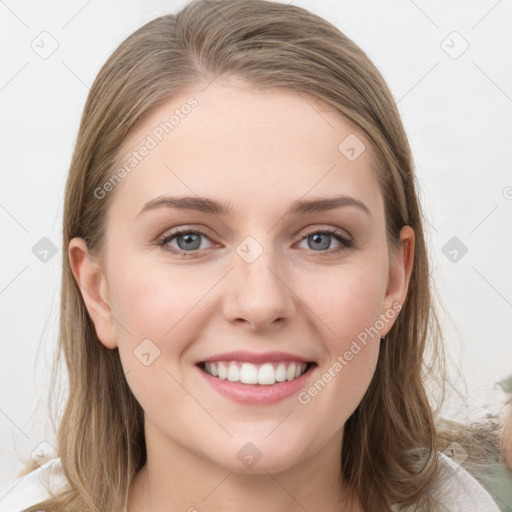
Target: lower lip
<point>258,394</point>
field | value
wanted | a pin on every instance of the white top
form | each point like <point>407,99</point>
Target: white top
<point>460,491</point>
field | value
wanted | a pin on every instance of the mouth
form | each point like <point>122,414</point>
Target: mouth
<point>266,374</point>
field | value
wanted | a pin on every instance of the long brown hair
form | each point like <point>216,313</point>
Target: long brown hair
<point>391,441</point>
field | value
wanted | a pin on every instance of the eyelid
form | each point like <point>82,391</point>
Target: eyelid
<point>315,228</point>
<point>345,240</point>
<point>185,228</point>
<point>332,230</point>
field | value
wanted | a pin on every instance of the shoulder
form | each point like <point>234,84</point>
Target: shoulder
<point>30,489</point>
<point>456,490</point>
<point>460,491</point>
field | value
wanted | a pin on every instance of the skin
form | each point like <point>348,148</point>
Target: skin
<point>272,148</point>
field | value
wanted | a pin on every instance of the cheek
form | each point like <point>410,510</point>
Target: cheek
<point>347,313</point>
<point>154,302</point>
<point>347,300</point>
<point>159,310</point>
<point>347,304</point>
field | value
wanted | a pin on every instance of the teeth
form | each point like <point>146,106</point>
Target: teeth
<point>248,373</point>
<point>281,372</point>
<point>223,371</point>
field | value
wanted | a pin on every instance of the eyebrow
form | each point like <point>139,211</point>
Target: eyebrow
<point>206,205</point>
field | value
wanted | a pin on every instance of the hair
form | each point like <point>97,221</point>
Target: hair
<point>390,442</point>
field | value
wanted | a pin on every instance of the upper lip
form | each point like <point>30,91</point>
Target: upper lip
<point>256,357</point>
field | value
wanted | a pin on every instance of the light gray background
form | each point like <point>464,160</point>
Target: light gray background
<point>457,111</point>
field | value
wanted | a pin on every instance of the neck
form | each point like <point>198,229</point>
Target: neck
<point>175,479</point>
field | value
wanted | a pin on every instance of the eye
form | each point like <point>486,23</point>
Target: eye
<point>321,239</point>
<point>188,242</point>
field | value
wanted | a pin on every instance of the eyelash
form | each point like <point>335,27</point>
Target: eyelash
<point>163,241</point>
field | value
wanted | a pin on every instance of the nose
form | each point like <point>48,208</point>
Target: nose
<point>259,293</point>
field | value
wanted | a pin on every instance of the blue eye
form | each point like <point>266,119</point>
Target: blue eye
<point>189,241</point>
<point>319,238</point>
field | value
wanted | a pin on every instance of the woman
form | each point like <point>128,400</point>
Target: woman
<point>246,307</point>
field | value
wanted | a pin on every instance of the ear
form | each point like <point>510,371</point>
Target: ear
<point>400,269</point>
<point>93,287</point>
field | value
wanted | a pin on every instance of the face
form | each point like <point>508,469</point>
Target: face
<point>317,283</point>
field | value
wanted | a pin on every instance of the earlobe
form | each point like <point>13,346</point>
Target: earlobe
<point>400,270</point>
<point>93,287</point>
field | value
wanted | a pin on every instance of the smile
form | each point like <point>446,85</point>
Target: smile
<point>265,374</point>
<point>254,393</point>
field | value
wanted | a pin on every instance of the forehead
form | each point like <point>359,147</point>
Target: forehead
<point>245,145</point>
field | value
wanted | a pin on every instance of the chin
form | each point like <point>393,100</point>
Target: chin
<point>251,460</point>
